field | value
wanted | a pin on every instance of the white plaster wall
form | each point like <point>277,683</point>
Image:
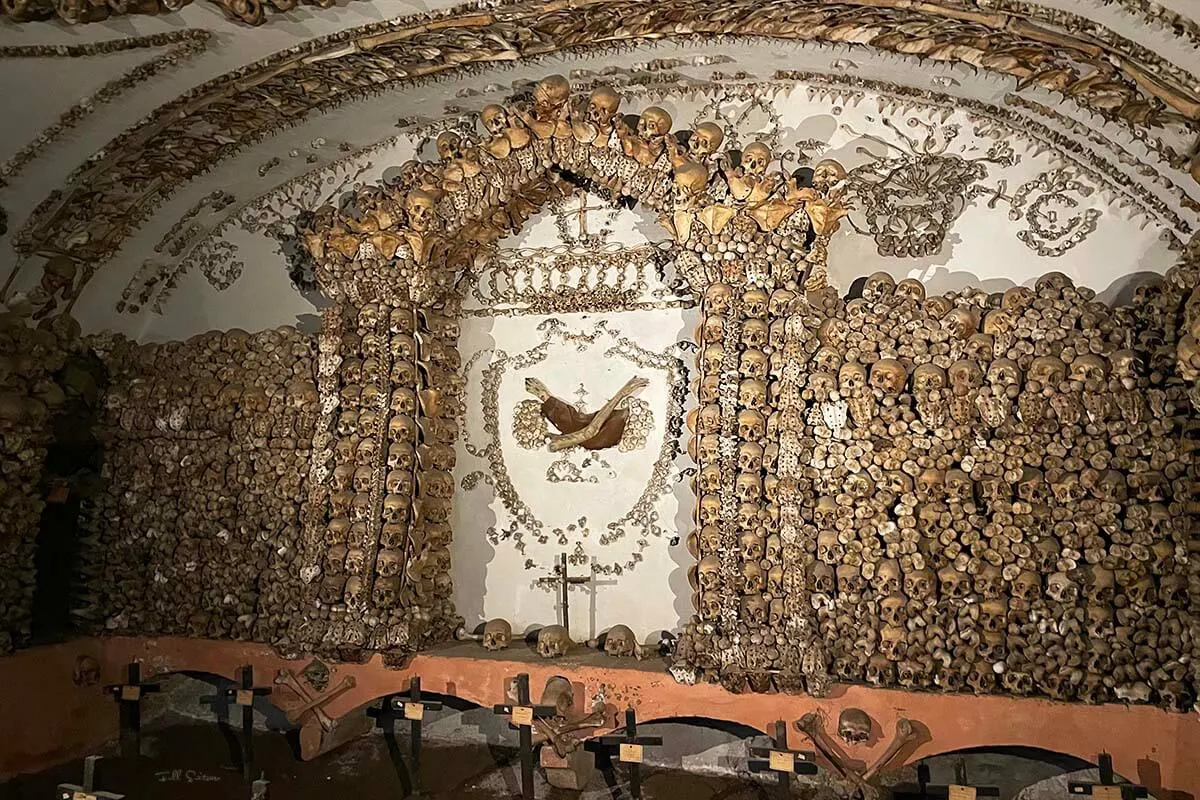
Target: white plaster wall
<point>498,578</point>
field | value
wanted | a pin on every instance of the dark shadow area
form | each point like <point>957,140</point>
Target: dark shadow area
<point>69,474</point>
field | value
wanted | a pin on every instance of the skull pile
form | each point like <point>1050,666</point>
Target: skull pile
<point>206,445</point>
<point>1003,502</point>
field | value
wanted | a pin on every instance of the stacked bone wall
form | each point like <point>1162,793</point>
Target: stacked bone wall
<point>29,392</point>
<point>206,447</point>
<point>375,565</point>
<point>995,494</point>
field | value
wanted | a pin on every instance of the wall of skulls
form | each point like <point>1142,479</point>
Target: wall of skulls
<point>206,448</point>
<point>983,492</point>
<point>30,390</point>
<point>375,559</point>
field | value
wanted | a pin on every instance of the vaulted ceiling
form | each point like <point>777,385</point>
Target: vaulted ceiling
<point>163,156</point>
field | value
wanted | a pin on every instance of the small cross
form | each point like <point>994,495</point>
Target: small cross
<point>561,577</point>
<point>522,716</point>
<point>1107,788</point>
<point>582,235</point>
<point>961,789</point>
<point>629,749</point>
<point>411,707</point>
<point>782,761</point>
<point>244,697</point>
<point>71,791</point>
<point>129,699</point>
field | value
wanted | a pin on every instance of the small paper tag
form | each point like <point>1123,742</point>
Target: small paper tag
<point>245,697</point>
<point>82,796</point>
<point>961,792</point>
<point>631,753</point>
<point>1106,793</point>
<point>414,711</point>
<point>131,693</point>
<point>782,762</point>
<point>522,715</point>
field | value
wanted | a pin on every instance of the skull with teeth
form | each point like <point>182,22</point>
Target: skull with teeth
<point>854,726</point>
<point>553,641</point>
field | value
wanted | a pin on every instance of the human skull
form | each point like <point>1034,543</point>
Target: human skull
<point>878,286</point>
<point>888,376</point>
<point>386,593</point>
<point>449,145</point>
<point>654,123</point>
<point>495,118</point>
<point>602,107</point>
<point>911,289</point>
<point>620,642</point>
<point>919,584</point>
<point>955,585</point>
<point>751,546</point>
<point>754,333</point>
<point>993,615</point>
<point>497,633</point>
<point>891,609</point>
<point>829,549</point>
<point>849,580</point>
<point>419,205</point>
<point>706,140</point>
<point>989,582</point>
<point>892,643</point>
<point>756,158</point>
<point>928,377</point>
<point>965,377</point>
<point>880,671</point>
<point>750,457</point>
<point>717,298</point>
<point>852,379</point>
<point>389,563</point>
<point>553,641</point>
<point>888,577</point>
<point>754,610</point>
<point>1027,585</point>
<point>752,426</point>
<point>1062,589</point>
<point>708,572</point>
<point>549,96</point>
<point>752,579</point>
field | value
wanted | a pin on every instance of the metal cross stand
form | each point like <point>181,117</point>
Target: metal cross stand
<point>70,791</point>
<point>243,697</point>
<point>783,762</point>
<point>411,707</point>
<point>129,696</point>
<point>1107,788</point>
<point>629,750</point>
<point>522,716</point>
<point>566,581</point>
<point>961,789</point>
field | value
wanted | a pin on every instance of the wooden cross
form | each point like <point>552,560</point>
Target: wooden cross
<point>71,791</point>
<point>242,696</point>
<point>522,716</point>
<point>566,581</point>
<point>629,749</point>
<point>783,762</point>
<point>961,789</point>
<point>411,707</point>
<point>1107,788</point>
<point>129,698</point>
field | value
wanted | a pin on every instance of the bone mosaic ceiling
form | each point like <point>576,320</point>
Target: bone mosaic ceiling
<point>215,118</point>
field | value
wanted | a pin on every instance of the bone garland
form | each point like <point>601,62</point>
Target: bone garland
<point>1129,94</point>
<point>181,45</point>
<point>251,12</point>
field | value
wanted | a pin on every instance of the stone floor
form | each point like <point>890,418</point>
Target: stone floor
<point>185,759</point>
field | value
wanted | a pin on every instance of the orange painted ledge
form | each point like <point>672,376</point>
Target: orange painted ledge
<point>58,720</point>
